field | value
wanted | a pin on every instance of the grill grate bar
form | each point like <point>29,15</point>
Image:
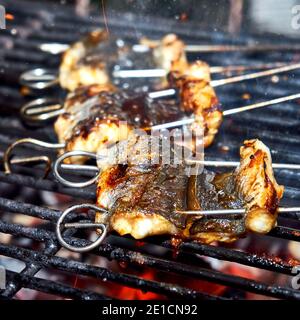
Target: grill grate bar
<point>48,185</point>
<point>52,287</point>
<point>285,233</point>
<point>42,23</point>
<point>223,253</point>
<point>30,270</point>
<point>252,260</point>
<point>62,264</point>
<point>133,257</point>
<point>215,252</point>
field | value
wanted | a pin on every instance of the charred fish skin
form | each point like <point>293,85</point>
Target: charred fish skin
<point>143,198</point>
<point>77,106</point>
<point>99,115</point>
<point>143,204</point>
<point>211,191</point>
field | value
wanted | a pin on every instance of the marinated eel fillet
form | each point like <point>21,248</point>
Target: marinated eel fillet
<point>193,83</point>
<point>91,60</point>
<point>198,96</point>
<point>143,195</point>
<point>256,184</point>
<point>146,199</point>
<point>86,61</point>
<point>166,51</point>
<point>99,115</point>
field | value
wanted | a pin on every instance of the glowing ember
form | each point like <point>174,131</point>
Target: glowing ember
<point>136,294</point>
<point>184,16</point>
<point>9,16</point>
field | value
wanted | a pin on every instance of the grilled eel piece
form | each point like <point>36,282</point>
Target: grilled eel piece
<point>85,62</point>
<point>142,195</point>
<point>99,115</point>
<point>166,51</point>
<point>169,54</point>
<point>94,115</point>
<point>193,83</point>
<point>252,186</point>
<point>256,184</point>
<point>144,199</point>
<point>197,96</point>
<point>90,60</point>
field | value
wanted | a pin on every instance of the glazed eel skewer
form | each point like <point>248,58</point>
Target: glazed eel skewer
<point>143,199</point>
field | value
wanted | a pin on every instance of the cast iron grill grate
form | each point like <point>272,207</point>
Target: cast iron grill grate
<point>277,127</point>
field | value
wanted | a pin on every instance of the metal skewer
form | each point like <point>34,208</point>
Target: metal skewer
<point>239,68</point>
<point>103,227</point>
<point>99,226</point>
<point>234,164</point>
<point>36,110</point>
<point>221,82</point>
<point>207,163</point>
<point>258,105</point>
<point>255,75</point>
<point>96,170</point>
<point>41,109</point>
<point>72,184</point>
<point>157,73</point>
<point>159,127</point>
<point>44,159</point>
<point>54,47</point>
<point>57,48</point>
<point>241,48</point>
<point>230,211</point>
<point>41,78</point>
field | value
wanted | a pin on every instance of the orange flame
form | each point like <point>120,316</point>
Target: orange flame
<point>9,16</point>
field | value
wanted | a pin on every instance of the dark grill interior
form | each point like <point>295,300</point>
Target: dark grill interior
<point>276,126</point>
